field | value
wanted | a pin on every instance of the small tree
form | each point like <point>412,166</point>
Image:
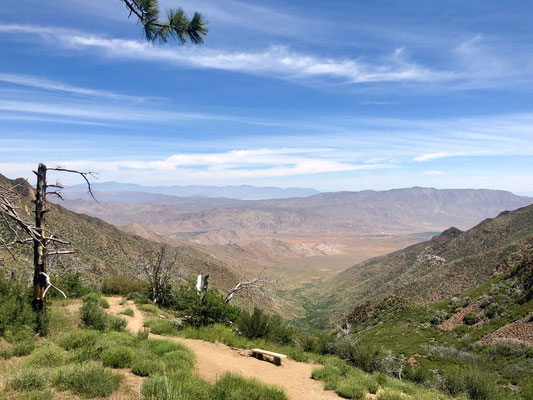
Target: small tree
<point>177,25</point>
<point>45,244</point>
<point>159,266</point>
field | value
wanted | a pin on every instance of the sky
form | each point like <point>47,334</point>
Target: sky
<point>336,95</point>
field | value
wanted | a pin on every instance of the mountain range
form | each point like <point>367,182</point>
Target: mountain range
<point>243,192</point>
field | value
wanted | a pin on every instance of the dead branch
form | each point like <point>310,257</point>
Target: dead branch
<point>258,284</point>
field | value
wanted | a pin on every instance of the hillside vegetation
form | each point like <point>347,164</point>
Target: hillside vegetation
<point>447,265</point>
<point>102,249</point>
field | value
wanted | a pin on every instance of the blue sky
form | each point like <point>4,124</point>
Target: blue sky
<point>338,95</point>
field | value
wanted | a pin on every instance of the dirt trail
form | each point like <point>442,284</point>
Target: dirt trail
<point>214,359</point>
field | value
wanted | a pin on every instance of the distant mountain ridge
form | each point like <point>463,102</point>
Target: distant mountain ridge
<point>406,210</point>
<point>242,192</point>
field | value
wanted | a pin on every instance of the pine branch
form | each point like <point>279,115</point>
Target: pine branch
<point>177,26</point>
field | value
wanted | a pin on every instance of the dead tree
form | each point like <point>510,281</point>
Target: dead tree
<point>159,266</point>
<point>257,284</point>
<point>45,244</point>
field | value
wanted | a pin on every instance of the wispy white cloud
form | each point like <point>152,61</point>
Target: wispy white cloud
<point>276,61</point>
<point>235,164</point>
<point>434,172</point>
<point>40,83</point>
<point>445,154</point>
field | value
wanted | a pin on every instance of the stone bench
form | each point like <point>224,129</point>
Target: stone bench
<point>276,357</point>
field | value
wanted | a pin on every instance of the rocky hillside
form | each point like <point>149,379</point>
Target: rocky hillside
<point>447,265</point>
<point>102,249</point>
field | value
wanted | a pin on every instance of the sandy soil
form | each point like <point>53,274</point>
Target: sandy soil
<point>214,359</point>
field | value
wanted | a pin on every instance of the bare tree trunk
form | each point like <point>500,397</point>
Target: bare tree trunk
<point>39,259</point>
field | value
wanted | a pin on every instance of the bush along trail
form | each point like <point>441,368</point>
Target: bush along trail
<point>213,360</point>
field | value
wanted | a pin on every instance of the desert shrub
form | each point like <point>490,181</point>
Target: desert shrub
<point>142,334</point>
<point>92,297</point>
<point>16,314</point>
<point>470,319</point>
<point>472,382</point>
<point>128,311</point>
<point>178,360</point>
<point>507,349</point>
<point>93,316</point>
<point>122,302</point>
<point>350,389</point>
<point>145,363</point>
<point>116,323</point>
<point>253,325</point>
<point>103,302</point>
<point>70,283</point>
<point>122,284</point>
<point>149,308</point>
<point>160,347</point>
<point>28,379</point>
<point>87,380</point>
<point>259,324</point>
<point>234,387</point>
<point>77,339</point>
<point>137,297</point>
<point>176,386</point>
<point>117,357</point>
<point>23,348</point>
<point>161,326</point>
<point>359,355</point>
<point>48,356</point>
<point>39,394</point>
<point>420,374</point>
<point>390,395</point>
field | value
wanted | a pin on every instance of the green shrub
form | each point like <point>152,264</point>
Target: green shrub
<point>470,319</point>
<point>128,311</point>
<point>117,357</point>
<point>116,323</point>
<point>142,334</point>
<point>71,284</point>
<point>28,379</point>
<point>179,360</point>
<point>234,387</point>
<point>203,311</point>
<point>77,339</point>
<point>350,389</point>
<point>253,325</point>
<point>39,394</point>
<point>104,303</point>
<point>137,297</point>
<point>92,297</point>
<point>161,347</point>
<point>92,316</point>
<point>176,386</point>
<point>16,314</point>
<point>149,308</point>
<point>390,395</point>
<point>48,356</point>
<point>122,284</point>
<point>146,364</point>
<point>161,326</point>
<point>23,348</point>
<point>122,302</point>
<point>88,380</point>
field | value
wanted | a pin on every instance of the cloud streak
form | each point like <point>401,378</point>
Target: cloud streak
<point>40,83</point>
<point>275,61</point>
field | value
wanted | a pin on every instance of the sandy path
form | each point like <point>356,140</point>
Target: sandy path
<point>214,359</point>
